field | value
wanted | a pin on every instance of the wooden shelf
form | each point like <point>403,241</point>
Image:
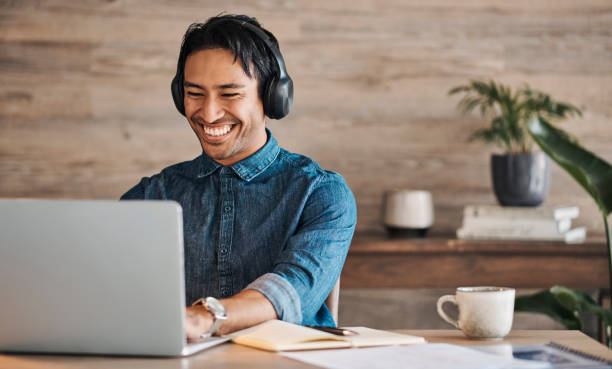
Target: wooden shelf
<point>375,261</point>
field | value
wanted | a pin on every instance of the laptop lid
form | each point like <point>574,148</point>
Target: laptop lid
<point>96,277</point>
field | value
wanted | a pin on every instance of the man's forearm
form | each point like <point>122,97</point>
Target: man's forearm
<point>245,309</point>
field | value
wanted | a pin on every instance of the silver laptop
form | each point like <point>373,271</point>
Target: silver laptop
<point>93,277</point>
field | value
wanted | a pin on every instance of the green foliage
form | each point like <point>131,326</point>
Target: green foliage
<point>595,176</point>
<point>591,172</point>
<point>563,305</point>
<point>544,302</point>
<point>509,112</point>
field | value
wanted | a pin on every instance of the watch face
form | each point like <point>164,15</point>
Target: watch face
<point>215,305</point>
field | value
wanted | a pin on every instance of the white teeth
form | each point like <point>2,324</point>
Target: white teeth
<point>217,131</point>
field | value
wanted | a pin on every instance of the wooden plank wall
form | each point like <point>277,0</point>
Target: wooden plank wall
<point>85,108</point>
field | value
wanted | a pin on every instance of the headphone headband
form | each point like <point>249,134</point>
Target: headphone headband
<point>271,46</point>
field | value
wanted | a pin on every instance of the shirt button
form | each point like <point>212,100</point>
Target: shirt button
<point>223,251</point>
<point>228,208</point>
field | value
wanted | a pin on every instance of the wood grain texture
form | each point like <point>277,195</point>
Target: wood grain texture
<point>376,262</point>
<point>570,338</point>
<point>85,108</point>
<point>236,356</point>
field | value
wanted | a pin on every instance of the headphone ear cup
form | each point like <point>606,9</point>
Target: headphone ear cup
<point>176,87</point>
<point>268,97</point>
<point>278,98</point>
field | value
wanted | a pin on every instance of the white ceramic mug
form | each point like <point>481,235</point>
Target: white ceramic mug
<point>484,312</point>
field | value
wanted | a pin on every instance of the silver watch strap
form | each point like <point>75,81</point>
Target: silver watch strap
<point>214,328</point>
<point>218,316</point>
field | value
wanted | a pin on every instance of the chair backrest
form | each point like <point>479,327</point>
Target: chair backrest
<point>332,301</point>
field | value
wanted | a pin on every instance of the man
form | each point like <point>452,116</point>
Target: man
<point>266,231</point>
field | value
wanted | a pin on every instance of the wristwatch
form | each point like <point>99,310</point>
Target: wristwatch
<point>216,308</point>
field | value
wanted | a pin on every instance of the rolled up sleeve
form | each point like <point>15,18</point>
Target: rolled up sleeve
<point>311,262</point>
<point>281,294</point>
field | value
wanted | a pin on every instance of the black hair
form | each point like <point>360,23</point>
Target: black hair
<point>226,32</point>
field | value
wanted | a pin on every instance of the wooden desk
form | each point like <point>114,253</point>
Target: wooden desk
<point>574,339</point>
<point>236,356</point>
<point>375,261</point>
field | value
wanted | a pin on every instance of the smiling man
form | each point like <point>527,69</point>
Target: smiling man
<point>266,231</point>
<point>222,106</point>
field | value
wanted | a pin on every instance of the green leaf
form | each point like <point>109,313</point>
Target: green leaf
<point>563,305</point>
<point>591,172</point>
<point>545,302</point>
<point>459,89</point>
<point>572,299</point>
<point>467,104</point>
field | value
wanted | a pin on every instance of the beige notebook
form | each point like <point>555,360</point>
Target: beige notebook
<point>276,335</point>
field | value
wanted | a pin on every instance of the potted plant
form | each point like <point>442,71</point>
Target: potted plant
<point>595,176</point>
<point>521,177</point>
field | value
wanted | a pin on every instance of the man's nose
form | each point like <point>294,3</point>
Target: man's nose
<point>212,110</point>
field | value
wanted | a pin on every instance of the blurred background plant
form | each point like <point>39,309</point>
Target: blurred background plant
<point>509,112</point>
<point>594,174</point>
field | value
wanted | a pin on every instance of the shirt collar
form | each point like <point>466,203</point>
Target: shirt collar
<point>248,168</point>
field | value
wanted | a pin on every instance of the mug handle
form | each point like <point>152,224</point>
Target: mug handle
<point>441,301</point>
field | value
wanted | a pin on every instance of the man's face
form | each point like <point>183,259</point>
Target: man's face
<point>222,106</point>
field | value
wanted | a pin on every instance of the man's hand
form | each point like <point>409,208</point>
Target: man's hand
<point>198,321</point>
<point>244,310</point>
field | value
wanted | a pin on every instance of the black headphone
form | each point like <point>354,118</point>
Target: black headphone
<point>277,93</point>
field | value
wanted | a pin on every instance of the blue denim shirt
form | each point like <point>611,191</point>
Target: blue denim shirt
<point>274,222</point>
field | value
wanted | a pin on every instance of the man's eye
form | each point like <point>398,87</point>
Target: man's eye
<point>194,93</point>
<point>229,95</point>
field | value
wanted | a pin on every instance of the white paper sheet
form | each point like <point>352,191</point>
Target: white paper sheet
<point>425,356</point>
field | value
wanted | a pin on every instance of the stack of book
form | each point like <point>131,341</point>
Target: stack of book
<point>521,223</point>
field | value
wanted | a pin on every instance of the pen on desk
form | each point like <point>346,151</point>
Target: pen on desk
<point>336,331</point>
